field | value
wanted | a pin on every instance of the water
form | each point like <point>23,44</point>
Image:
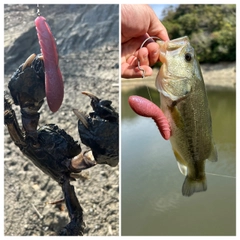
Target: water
<point>152,202</point>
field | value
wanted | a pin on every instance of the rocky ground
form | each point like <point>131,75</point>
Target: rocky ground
<point>87,38</point>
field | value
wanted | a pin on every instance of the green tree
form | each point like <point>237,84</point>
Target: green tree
<point>211,29</point>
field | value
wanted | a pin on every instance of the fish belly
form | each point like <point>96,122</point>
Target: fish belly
<point>191,138</point>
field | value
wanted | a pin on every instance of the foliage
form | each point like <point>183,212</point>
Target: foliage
<point>211,29</point>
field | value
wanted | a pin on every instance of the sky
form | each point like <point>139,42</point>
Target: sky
<point>158,8</point>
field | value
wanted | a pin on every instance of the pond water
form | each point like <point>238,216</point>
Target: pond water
<point>152,202</point>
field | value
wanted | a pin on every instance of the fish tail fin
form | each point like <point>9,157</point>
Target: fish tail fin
<point>190,186</point>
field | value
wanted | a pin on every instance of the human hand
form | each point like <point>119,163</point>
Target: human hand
<point>133,33</point>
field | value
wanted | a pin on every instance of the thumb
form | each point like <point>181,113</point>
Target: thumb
<point>156,28</point>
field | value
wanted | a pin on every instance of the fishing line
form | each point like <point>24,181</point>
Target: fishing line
<point>149,94</point>
<point>139,67</point>
<point>220,175</point>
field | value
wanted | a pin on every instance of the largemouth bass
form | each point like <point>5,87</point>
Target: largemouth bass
<point>185,105</point>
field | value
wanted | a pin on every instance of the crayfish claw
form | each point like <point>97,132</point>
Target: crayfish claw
<point>91,95</point>
<point>28,61</point>
<point>82,161</point>
<point>81,117</point>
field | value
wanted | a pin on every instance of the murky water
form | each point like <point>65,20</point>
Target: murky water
<point>152,202</point>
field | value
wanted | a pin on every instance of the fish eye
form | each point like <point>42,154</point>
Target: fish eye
<point>188,57</point>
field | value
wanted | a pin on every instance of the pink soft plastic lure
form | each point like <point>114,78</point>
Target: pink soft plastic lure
<point>53,76</point>
<point>146,108</point>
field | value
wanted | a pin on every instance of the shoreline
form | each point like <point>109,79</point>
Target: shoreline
<point>219,75</point>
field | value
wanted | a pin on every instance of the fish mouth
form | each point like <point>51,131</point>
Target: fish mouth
<point>175,46</point>
<point>162,55</point>
<point>181,40</point>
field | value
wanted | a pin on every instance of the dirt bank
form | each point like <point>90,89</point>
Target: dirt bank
<point>220,75</point>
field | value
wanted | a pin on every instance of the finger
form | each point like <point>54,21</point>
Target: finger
<point>129,71</point>
<point>163,34</point>
<point>149,55</point>
<point>153,53</point>
<point>157,28</point>
<point>131,47</point>
<point>143,56</point>
<point>132,60</point>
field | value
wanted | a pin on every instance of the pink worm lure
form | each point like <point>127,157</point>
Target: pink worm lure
<point>146,108</point>
<point>53,75</point>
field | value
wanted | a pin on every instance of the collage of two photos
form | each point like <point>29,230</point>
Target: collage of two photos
<point>120,120</point>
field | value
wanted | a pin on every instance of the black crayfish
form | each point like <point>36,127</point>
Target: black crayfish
<point>50,148</point>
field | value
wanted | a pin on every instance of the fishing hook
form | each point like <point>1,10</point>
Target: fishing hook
<point>139,67</point>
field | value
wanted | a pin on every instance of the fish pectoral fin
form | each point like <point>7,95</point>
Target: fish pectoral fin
<point>214,155</point>
<point>190,186</point>
<point>181,163</point>
<point>179,99</point>
<point>176,116</point>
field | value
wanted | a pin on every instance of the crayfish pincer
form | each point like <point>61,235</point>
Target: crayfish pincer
<point>99,130</point>
<point>50,148</point>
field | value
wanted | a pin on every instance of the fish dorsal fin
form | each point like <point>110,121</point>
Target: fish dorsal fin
<point>182,168</point>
